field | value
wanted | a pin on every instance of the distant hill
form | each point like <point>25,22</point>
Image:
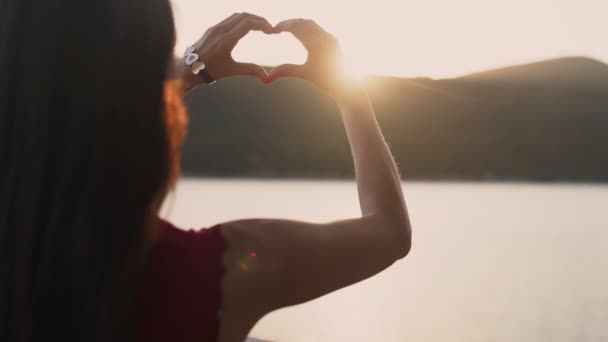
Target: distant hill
<point>580,71</point>
<point>545,121</point>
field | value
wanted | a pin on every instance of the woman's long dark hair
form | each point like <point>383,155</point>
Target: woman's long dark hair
<point>85,153</point>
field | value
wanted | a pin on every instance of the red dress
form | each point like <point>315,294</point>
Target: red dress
<point>180,296</point>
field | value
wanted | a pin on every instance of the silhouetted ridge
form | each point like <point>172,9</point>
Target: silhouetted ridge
<point>575,70</point>
<point>541,121</point>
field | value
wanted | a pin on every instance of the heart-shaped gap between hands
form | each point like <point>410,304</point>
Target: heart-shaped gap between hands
<point>270,50</point>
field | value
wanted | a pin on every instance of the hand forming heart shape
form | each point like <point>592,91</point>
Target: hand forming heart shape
<point>323,65</point>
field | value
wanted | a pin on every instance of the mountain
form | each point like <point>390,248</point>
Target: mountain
<point>545,121</point>
<point>579,71</point>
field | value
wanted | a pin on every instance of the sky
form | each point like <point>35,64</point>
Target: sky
<point>423,38</point>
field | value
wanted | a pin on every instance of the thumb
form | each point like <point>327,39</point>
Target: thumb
<point>286,70</point>
<point>251,70</point>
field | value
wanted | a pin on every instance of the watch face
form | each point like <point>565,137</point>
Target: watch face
<point>197,67</point>
<point>191,58</point>
<point>189,50</point>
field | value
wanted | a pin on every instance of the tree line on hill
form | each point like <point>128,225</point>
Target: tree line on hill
<point>545,121</point>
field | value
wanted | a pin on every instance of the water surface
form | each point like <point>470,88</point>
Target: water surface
<point>490,262</point>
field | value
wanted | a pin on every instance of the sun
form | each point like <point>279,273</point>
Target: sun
<point>355,70</point>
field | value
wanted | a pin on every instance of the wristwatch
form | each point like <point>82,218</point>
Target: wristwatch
<point>198,67</point>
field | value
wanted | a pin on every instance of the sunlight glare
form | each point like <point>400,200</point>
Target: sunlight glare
<point>356,69</point>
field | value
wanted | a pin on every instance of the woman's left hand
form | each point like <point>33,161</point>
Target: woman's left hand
<point>216,45</point>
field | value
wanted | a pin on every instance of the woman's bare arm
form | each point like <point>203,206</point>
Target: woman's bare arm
<point>378,179</point>
<point>272,263</point>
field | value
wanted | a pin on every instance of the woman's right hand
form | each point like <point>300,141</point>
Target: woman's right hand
<point>324,65</point>
<point>216,45</point>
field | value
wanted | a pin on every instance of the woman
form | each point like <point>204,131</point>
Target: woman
<point>90,129</point>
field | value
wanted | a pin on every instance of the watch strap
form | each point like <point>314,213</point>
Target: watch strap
<point>206,77</point>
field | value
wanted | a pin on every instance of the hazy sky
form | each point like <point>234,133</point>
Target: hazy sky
<point>436,38</point>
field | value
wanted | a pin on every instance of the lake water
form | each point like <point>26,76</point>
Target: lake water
<point>490,262</point>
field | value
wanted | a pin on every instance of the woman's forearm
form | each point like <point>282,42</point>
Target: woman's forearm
<point>188,79</point>
<point>378,180</point>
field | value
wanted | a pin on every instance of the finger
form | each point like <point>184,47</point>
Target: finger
<point>314,23</point>
<point>287,70</point>
<point>298,25</point>
<point>289,25</point>
<point>245,26</point>
<point>232,22</point>
<point>251,70</point>
<point>227,19</point>
<point>217,28</point>
<point>306,31</point>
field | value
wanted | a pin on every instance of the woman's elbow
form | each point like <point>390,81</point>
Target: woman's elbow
<point>399,233</point>
<point>401,237</point>
<point>404,240</point>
